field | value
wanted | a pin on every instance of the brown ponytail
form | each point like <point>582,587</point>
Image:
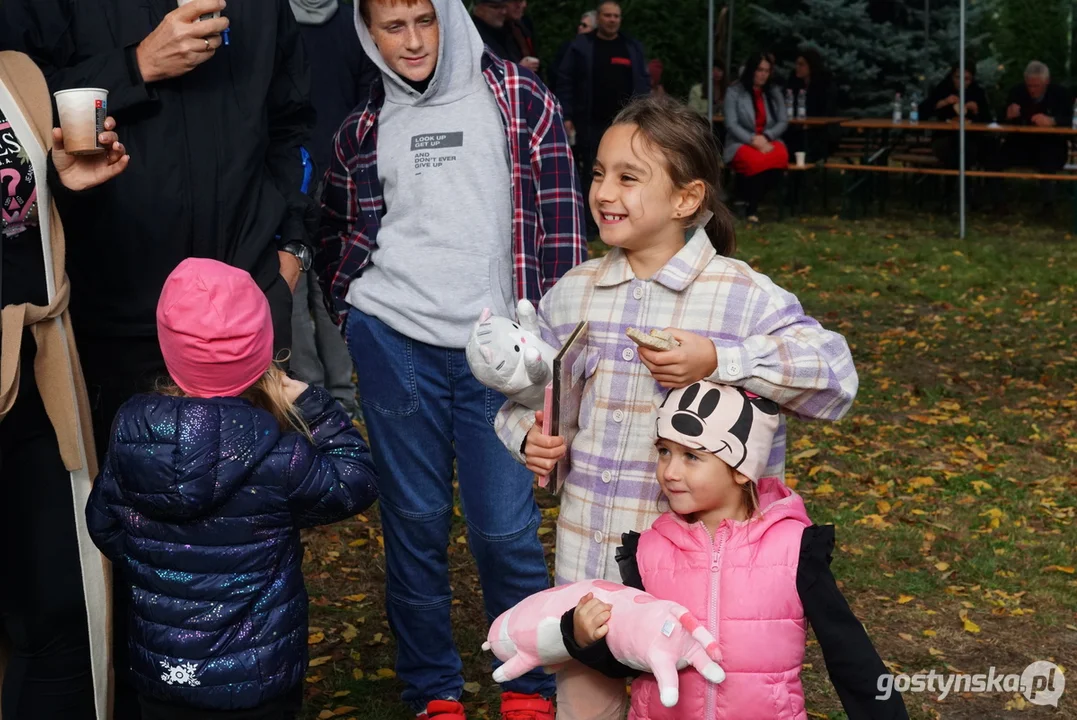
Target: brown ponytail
<point>685,140</point>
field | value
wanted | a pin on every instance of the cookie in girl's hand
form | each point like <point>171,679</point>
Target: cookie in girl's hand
<point>657,340</point>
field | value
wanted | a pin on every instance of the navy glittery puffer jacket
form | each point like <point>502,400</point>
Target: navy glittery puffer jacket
<point>200,503</point>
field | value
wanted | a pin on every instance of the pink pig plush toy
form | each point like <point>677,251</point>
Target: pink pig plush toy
<point>645,633</point>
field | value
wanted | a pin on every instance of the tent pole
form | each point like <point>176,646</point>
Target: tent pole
<point>730,72</point>
<point>961,129</point>
<point>709,74</point>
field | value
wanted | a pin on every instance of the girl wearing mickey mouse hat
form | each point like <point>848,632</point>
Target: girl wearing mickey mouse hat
<point>738,550</point>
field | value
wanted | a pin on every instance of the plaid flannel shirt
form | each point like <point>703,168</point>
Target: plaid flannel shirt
<point>764,343</point>
<point>547,221</point>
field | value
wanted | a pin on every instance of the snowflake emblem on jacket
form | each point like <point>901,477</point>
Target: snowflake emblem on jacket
<point>180,674</point>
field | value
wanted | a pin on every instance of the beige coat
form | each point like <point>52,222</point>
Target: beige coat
<point>25,101</point>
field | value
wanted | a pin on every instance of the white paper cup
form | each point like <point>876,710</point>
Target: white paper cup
<point>82,114</point>
<point>801,158</point>
<point>207,16</point>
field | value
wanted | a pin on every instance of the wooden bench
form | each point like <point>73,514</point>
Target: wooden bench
<point>843,168</point>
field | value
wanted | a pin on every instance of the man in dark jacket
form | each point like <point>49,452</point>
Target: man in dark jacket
<point>601,72</point>
<point>1037,102</point>
<point>490,18</point>
<point>587,24</point>
<point>214,133</point>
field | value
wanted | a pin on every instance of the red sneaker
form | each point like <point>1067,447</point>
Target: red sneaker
<point>444,710</point>
<point>515,706</point>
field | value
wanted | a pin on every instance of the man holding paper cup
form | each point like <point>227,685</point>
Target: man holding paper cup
<point>212,99</point>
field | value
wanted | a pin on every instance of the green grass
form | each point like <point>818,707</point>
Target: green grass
<point>952,482</point>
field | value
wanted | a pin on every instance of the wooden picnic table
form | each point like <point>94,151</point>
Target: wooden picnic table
<point>884,124</point>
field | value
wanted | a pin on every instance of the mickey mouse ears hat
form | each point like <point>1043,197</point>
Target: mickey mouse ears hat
<point>735,425</point>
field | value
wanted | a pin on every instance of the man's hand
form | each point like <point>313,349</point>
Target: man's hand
<point>542,451</point>
<point>181,42</point>
<point>952,100</point>
<point>972,108</point>
<point>570,127</point>
<point>86,171</point>
<point>1013,111</point>
<point>531,63</point>
<point>759,142</point>
<point>290,269</point>
<point>1041,120</point>
<point>590,621</point>
<point>695,359</point>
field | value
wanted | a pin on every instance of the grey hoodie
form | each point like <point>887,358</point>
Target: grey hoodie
<point>314,12</point>
<point>444,249</point>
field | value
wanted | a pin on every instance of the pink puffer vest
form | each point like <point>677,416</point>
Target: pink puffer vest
<point>742,585</point>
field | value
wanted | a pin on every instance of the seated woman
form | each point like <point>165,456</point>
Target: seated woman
<point>810,74</point>
<point>943,105</point>
<point>755,121</point>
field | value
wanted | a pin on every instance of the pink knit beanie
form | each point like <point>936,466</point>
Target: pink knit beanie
<point>214,327</point>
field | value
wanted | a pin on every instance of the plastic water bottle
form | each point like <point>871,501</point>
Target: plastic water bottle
<point>1075,114</point>
<point>802,104</point>
<point>914,108</point>
<point>897,107</point>
<point>789,103</point>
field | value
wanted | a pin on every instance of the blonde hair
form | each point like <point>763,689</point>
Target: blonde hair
<point>267,393</point>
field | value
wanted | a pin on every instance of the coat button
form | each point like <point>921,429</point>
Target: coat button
<point>618,416</point>
<point>734,369</point>
<point>638,293</point>
<point>607,476</point>
<point>627,354</point>
<point>598,536</point>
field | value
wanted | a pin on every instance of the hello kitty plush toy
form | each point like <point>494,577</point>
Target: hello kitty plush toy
<point>645,633</point>
<point>511,357</point>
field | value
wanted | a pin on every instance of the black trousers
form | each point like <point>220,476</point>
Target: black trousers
<point>42,610</point>
<point>286,707</point>
<point>754,187</point>
<point>117,369</point>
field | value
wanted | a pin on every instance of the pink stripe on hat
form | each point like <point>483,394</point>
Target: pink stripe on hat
<point>214,328</point>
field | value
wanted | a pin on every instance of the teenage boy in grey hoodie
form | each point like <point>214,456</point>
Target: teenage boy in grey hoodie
<point>451,189</point>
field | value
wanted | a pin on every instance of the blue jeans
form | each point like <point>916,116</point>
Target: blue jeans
<point>424,409</point>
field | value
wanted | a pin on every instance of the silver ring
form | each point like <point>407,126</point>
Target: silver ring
<point>207,44</point>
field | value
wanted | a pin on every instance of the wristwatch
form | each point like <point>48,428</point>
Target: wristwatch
<point>302,252</point>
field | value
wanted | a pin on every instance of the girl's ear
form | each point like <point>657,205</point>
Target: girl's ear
<point>689,199</point>
<point>740,478</point>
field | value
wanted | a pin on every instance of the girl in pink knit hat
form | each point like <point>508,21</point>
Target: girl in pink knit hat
<point>201,498</point>
<point>738,551</point>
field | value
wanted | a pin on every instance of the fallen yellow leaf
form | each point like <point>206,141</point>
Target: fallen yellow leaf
<point>472,687</point>
<point>805,454</point>
<point>355,598</point>
<point>349,632</point>
<point>921,482</point>
<point>342,693</point>
<point>315,638</point>
<point>386,673</point>
<point>357,674</point>
<point>930,633</point>
<point>320,660</point>
<point>1059,568</point>
<point>942,566</point>
<point>824,489</point>
<point>968,625</point>
<point>905,599</point>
